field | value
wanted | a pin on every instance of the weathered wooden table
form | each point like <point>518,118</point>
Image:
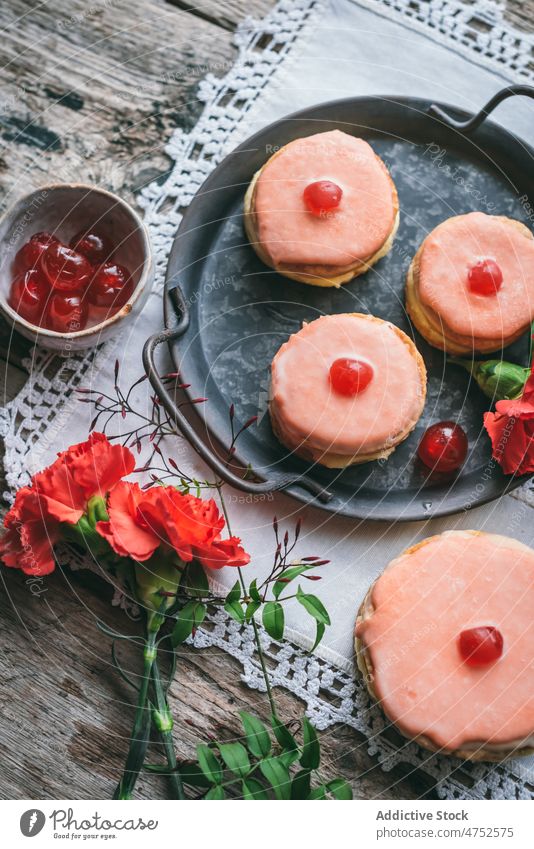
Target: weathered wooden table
<point>91,91</point>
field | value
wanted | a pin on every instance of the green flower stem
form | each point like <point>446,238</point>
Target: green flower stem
<point>253,621</point>
<point>140,736</point>
<point>162,719</point>
<point>262,660</point>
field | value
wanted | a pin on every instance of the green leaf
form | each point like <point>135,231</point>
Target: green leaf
<point>285,577</point>
<point>318,793</point>
<point>314,607</point>
<point>235,757</point>
<point>252,607</point>
<point>252,789</point>
<point>300,785</point>
<point>162,769</point>
<point>196,581</point>
<point>216,793</point>
<point>209,764</point>
<point>192,775</point>
<point>258,740</point>
<point>273,619</point>
<point>311,752</point>
<point>254,592</point>
<point>190,616</point>
<point>340,789</point>
<point>318,635</point>
<point>289,758</point>
<point>234,594</point>
<point>283,735</point>
<point>234,609</point>
<point>278,777</point>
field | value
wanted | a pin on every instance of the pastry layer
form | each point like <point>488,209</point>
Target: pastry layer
<point>316,422</point>
<point>407,642</point>
<point>439,300</point>
<point>322,250</point>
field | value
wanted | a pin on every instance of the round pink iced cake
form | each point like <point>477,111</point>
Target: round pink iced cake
<point>408,634</point>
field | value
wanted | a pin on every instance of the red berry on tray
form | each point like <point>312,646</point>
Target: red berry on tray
<point>349,377</point>
<point>480,646</point>
<point>485,277</point>
<point>443,447</point>
<point>111,286</point>
<point>66,270</point>
<point>29,294</point>
<point>94,247</point>
<point>31,252</point>
<point>66,313</point>
<point>322,196</point>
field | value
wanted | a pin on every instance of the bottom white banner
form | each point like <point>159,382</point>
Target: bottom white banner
<point>359,824</point>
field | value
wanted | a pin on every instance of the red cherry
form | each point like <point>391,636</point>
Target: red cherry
<point>31,252</point>
<point>322,196</point>
<point>28,295</point>
<point>67,270</point>
<point>485,278</point>
<point>93,246</point>
<point>349,377</point>
<point>479,646</point>
<point>443,447</point>
<point>111,286</point>
<point>66,313</point>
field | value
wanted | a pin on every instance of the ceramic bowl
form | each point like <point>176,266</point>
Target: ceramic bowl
<point>64,210</point>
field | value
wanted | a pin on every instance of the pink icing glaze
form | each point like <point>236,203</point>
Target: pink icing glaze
<point>448,253</point>
<point>422,603</point>
<point>356,230</point>
<point>309,410</point>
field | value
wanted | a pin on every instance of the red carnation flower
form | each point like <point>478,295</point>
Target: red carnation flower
<point>511,430</point>
<point>30,534</point>
<point>142,521</point>
<point>86,469</point>
<point>222,552</point>
<point>123,532</point>
<point>60,494</point>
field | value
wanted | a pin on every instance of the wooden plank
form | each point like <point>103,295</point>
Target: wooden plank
<point>13,346</point>
<point>227,13</point>
<point>93,92</point>
<point>521,14</point>
<point>12,379</point>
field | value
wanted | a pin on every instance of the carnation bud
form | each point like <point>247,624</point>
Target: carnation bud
<point>162,719</point>
<point>498,379</point>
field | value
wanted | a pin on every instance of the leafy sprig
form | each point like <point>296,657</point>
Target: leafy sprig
<point>283,573</point>
<point>243,603</point>
<point>146,430</point>
<point>267,764</point>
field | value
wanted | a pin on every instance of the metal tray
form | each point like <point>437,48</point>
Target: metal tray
<point>226,314</point>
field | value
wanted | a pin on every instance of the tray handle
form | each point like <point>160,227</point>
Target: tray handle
<point>474,122</point>
<point>183,425</point>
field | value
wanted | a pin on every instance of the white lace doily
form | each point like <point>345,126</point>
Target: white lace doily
<point>34,420</point>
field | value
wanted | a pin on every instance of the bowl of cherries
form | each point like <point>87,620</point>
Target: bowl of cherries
<point>76,263</point>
